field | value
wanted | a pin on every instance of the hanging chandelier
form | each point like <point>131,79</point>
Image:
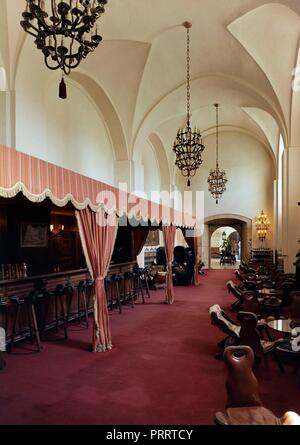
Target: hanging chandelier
<point>262,226</point>
<point>217,178</point>
<point>188,145</point>
<point>61,30</point>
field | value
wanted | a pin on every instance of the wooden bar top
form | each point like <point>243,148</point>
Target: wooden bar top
<point>22,286</point>
<point>41,277</point>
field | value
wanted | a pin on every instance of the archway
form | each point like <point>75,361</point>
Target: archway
<point>225,247</point>
<point>240,224</point>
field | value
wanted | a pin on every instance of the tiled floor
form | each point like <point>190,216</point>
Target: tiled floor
<point>215,264</point>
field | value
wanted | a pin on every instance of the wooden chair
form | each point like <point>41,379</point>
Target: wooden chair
<point>250,336</point>
<point>244,405</point>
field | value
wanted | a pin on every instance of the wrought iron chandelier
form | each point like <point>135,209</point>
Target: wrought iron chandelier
<point>217,178</point>
<point>188,145</point>
<point>262,226</point>
<point>61,30</point>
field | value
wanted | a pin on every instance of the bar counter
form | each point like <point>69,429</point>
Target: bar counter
<point>21,287</point>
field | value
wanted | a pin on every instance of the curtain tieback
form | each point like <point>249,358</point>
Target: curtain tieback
<point>99,279</point>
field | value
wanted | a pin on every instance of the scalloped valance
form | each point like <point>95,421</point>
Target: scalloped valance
<point>38,180</point>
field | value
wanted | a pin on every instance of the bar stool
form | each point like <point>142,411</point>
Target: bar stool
<point>115,291</point>
<point>58,295</point>
<point>144,279</point>
<point>3,311</point>
<point>89,291</point>
<point>128,280</point>
<point>81,298</point>
<point>137,285</point>
<point>27,304</point>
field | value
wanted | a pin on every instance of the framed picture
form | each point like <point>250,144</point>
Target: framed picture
<point>34,234</point>
<point>153,238</point>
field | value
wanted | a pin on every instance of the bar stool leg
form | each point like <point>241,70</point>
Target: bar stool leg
<point>140,285</point>
<point>15,327</point>
<point>56,313</point>
<point>37,334</point>
<point>69,302</point>
<point>63,316</point>
<point>118,297</point>
<point>85,308</point>
<point>78,304</point>
<point>45,316</point>
<point>131,290</point>
<point>29,323</point>
<point>147,287</point>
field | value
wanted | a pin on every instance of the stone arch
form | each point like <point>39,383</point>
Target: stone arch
<point>249,30</point>
<point>169,106</point>
<point>162,160</point>
<point>110,116</point>
<point>242,224</point>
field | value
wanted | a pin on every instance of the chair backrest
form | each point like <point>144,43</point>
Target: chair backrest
<point>161,259</point>
<point>220,319</point>
<point>233,289</point>
<point>241,384</point>
<point>250,303</point>
<point>249,335</point>
<point>180,255</point>
<point>295,305</point>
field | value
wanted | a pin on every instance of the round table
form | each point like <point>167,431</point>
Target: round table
<point>281,325</point>
<point>266,291</point>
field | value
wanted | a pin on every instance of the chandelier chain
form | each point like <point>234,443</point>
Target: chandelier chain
<point>217,134</point>
<point>188,76</point>
<point>188,145</point>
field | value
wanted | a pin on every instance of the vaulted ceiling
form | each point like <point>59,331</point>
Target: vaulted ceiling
<point>242,56</point>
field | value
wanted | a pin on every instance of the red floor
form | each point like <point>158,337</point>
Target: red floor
<point>161,370</point>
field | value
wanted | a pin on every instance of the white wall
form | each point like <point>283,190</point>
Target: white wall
<point>69,133</point>
<point>250,175</point>
<point>151,173</point>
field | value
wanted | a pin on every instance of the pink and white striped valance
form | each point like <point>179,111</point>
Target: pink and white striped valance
<point>38,180</point>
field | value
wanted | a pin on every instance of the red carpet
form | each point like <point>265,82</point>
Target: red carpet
<point>161,370</point>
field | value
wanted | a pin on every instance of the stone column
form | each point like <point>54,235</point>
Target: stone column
<point>291,209</point>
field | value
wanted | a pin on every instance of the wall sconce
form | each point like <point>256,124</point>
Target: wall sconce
<point>56,228</point>
<point>262,226</point>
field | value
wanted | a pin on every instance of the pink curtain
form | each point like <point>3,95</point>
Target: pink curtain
<point>139,239</point>
<point>169,237</point>
<point>197,259</point>
<point>98,236</point>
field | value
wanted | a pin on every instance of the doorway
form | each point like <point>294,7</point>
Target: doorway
<point>242,240</point>
<point>225,248</point>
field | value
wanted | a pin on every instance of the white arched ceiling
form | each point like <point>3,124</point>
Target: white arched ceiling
<point>231,118</point>
<point>139,69</point>
<point>268,125</point>
<point>295,107</point>
<point>162,160</point>
<point>108,112</point>
<point>206,91</point>
<point>250,175</point>
<point>120,77</point>
<point>275,51</point>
